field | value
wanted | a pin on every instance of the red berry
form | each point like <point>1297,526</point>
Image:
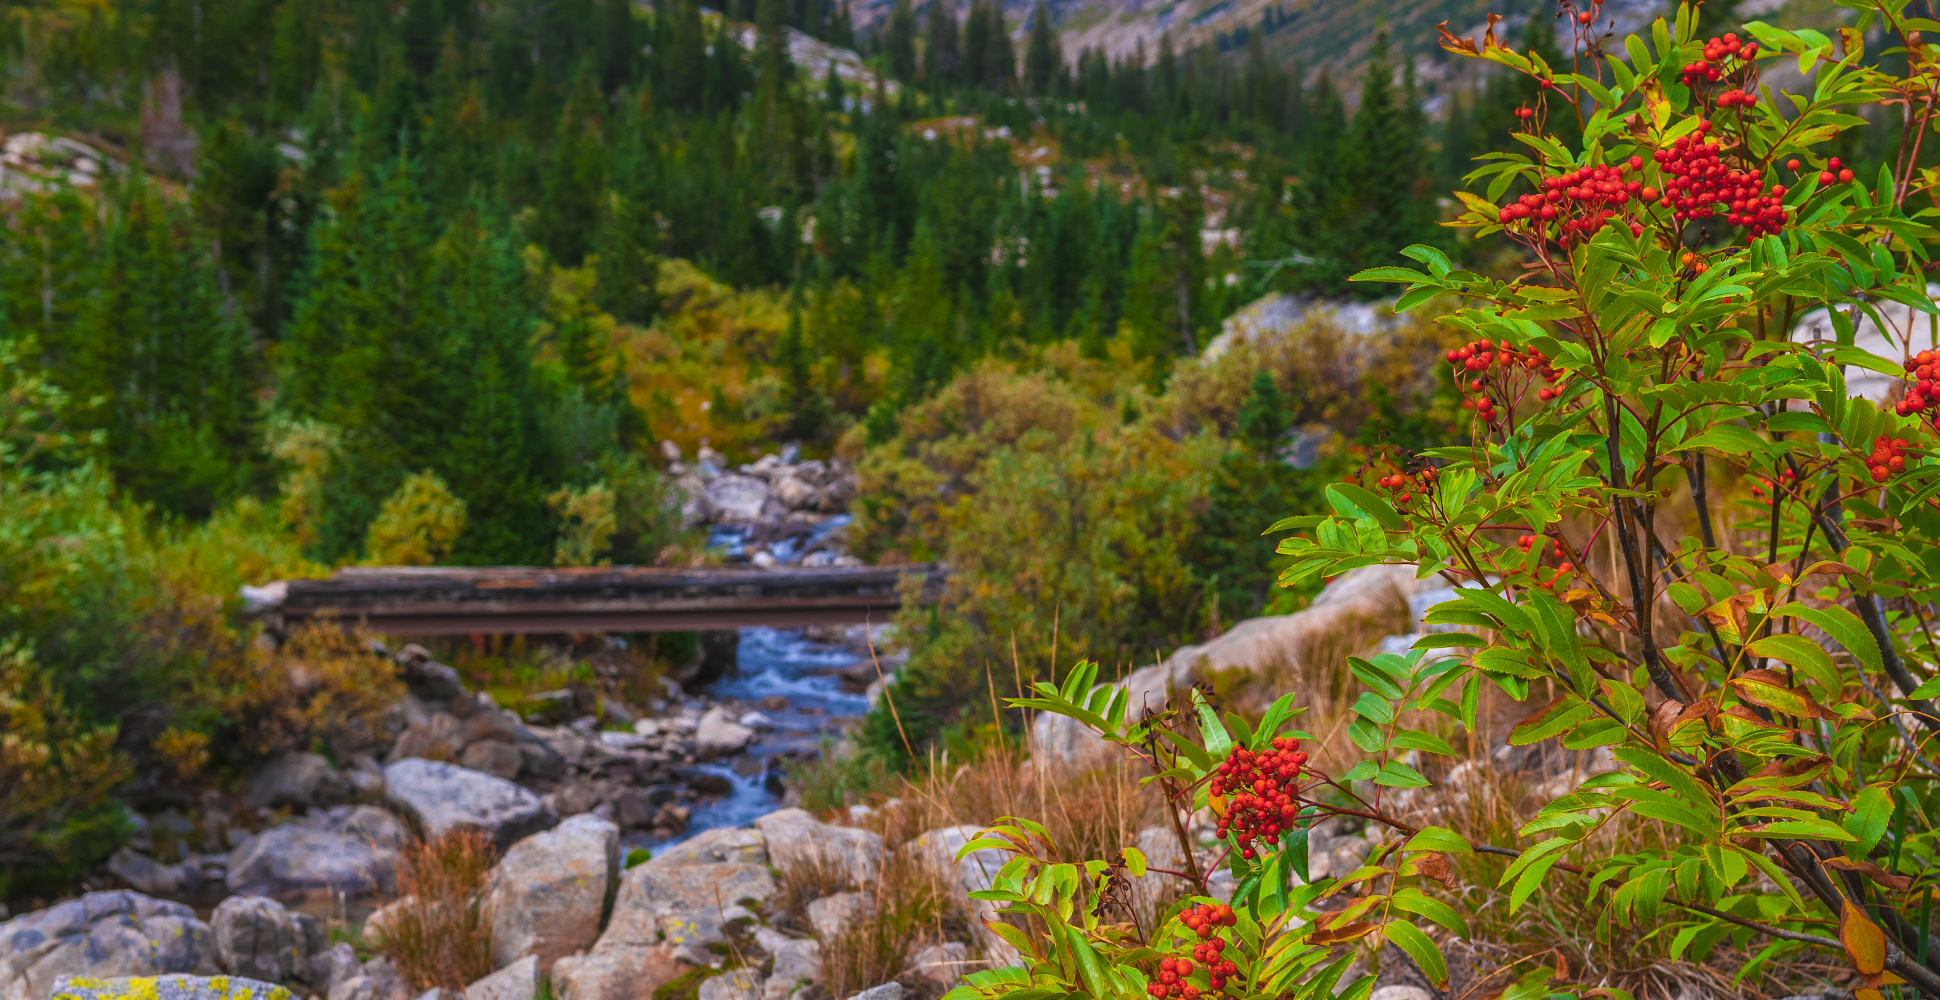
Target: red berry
<point>1845,177</point>
<point>1826,177</point>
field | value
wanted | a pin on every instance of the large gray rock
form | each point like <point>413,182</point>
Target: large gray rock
<point>545,897</point>
<point>145,876</point>
<point>294,863</point>
<point>721,845</point>
<point>445,797</point>
<point>887,991</point>
<point>720,735</point>
<point>738,984</point>
<point>518,981</point>
<point>797,840</point>
<point>102,935</point>
<point>296,780</point>
<point>333,966</point>
<point>685,906</point>
<point>614,971</point>
<point>797,963</point>
<point>166,988</point>
<point>256,938</point>
<point>427,678</point>
<point>735,498</point>
<point>832,916</point>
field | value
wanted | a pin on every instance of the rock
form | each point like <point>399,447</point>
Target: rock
<point>942,964</point>
<point>797,839</point>
<point>517,981</point>
<point>1151,892</point>
<point>1254,644</point>
<point>796,493</point>
<point>756,721</point>
<point>435,736</point>
<point>426,678</point>
<point>492,757</point>
<point>333,966</point>
<point>447,797</point>
<point>292,862</point>
<point>613,971</point>
<point>685,906</point>
<point>740,984</point>
<point>887,991</point>
<point>366,986</point>
<point>498,724</point>
<point>735,497</point>
<point>546,896</point>
<point>797,963</point>
<point>551,706</point>
<point>773,703</point>
<point>374,826</point>
<point>101,935</point>
<point>150,879</point>
<point>297,780</point>
<point>166,988</point>
<point>539,760</point>
<point>721,845</point>
<point>720,735</point>
<point>1402,993</point>
<point>832,915</point>
<point>256,938</point>
<point>379,922</point>
<point>705,782</point>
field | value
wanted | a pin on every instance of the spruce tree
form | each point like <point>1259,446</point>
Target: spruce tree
<point>1384,158</point>
<point>1042,63</point>
<point>900,42</point>
<point>686,60</point>
<point>618,44</point>
<point>941,56</point>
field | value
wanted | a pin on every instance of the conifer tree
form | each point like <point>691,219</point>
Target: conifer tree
<point>618,44</point>
<point>942,56</point>
<point>900,42</point>
<point>1384,159</point>
<point>1042,61</point>
<point>686,60</point>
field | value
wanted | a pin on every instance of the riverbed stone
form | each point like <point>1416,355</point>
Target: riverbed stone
<point>614,971</point>
<point>517,981</point>
<point>255,937</point>
<point>797,840</point>
<point>797,963</point>
<point>721,845</point>
<point>720,735</point>
<point>833,915</point>
<point>175,987</point>
<point>444,797</point>
<point>293,863</point>
<point>545,897</point>
<point>101,935</point>
<point>297,780</point>
<point>686,906</point>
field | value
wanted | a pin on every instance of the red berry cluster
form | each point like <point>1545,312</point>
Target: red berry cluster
<point>1718,50</point>
<point>1827,176</point>
<point>1202,920</point>
<point>1260,787</point>
<point>1735,98</point>
<point>1888,458</point>
<point>1784,483</point>
<point>1585,199</point>
<point>1563,571</point>
<point>1700,182</point>
<point>1923,394</point>
<point>1402,488</point>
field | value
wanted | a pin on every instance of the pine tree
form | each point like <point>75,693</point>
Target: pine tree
<point>833,98</point>
<point>1042,62</point>
<point>1232,555</point>
<point>900,43</point>
<point>1384,159</point>
<point>977,28</point>
<point>686,60</point>
<point>618,44</point>
<point>941,57</point>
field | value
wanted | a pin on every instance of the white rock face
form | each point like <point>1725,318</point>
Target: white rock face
<point>446,797</point>
<point>796,839</point>
<point>941,964</point>
<point>255,937</point>
<point>1254,644</point>
<point>831,916</point>
<point>518,981</point>
<point>721,845</point>
<point>720,735</point>
<point>545,897</point>
<point>102,935</point>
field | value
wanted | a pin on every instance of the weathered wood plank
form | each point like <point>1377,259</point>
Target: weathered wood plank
<point>512,599</point>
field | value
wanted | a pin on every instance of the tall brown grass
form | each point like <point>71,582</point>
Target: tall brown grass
<point>438,934</point>
<point>908,906</point>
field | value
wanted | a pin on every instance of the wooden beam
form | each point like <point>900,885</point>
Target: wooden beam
<point>511,599</point>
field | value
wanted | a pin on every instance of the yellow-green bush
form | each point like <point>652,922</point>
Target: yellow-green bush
<point>417,524</point>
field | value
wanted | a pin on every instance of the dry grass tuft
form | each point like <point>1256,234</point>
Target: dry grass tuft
<point>439,934</point>
<point>908,907</point>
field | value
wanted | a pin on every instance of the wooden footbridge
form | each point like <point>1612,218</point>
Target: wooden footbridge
<point>514,599</point>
